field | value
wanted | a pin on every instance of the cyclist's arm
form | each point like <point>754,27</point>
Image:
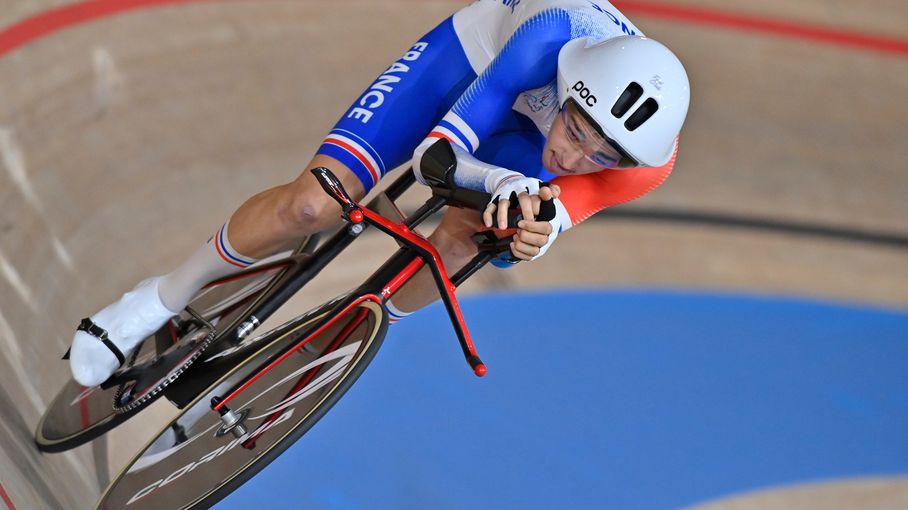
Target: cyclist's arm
<point>528,60</point>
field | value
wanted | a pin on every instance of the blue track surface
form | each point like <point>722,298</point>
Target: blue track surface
<point>620,399</point>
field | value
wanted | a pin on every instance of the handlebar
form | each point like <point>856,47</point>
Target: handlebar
<point>354,213</point>
<point>439,172</point>
<point>438,166</point>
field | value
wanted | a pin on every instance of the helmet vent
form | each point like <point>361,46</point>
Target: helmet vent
<point>627,99</point>
<point>646,110</point>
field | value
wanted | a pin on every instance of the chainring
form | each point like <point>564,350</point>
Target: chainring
<point>179,357</point>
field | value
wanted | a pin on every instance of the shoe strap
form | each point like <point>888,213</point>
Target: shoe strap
<point>88,326</point>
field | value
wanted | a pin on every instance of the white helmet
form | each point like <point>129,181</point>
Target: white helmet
<point>634,88</point>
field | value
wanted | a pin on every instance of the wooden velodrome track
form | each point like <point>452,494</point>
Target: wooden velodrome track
<point>126,140</point>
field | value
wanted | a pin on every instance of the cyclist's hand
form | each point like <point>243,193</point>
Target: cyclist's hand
<point>547,191</point>
<point>513,185</point>
<point>534,237</point>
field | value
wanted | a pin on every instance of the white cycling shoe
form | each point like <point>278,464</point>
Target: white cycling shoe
<point>102,343</point>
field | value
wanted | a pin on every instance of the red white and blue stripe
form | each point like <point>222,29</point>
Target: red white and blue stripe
<point>457,131</point>
<point>394,314</point>
<point>356,154</point>
<point>227,253</point>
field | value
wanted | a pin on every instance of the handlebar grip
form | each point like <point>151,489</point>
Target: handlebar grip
<point>547,212</point>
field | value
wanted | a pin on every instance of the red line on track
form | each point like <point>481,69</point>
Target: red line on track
<point>5,497</point>
<point>701,16</point>
<point>54,20</point>
<point>84,413</point>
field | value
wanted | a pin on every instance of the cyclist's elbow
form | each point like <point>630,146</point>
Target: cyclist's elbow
<point>417,159</point>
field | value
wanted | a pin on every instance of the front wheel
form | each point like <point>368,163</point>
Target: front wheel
<point>199,458</point>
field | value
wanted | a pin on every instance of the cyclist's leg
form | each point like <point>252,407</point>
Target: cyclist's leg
<point>262,225</point>
<point>375,135</point>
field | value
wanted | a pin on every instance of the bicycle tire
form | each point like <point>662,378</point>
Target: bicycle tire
<point>78,415</point>
<point>158,476</point>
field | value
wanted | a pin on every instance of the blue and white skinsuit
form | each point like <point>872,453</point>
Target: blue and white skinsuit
<point>485,78</point>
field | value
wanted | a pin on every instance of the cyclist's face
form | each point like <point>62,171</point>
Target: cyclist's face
<point>561,156</point>
<point>574,146</point>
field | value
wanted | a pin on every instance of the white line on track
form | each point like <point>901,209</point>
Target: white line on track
<point>107,77</point>
<point>14,163</point>
<point>15,354</point>
<point>12,276</point>
<point>62,253</point>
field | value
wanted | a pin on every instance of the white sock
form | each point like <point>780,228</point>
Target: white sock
<point>395,314</point>
<point>215,259</point>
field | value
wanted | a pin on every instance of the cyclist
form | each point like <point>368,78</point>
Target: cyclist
<point>526,90</point>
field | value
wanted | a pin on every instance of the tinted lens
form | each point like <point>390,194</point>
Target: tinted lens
<point>597,148</point>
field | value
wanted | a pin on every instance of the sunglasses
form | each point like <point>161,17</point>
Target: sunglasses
<point>595,145</point>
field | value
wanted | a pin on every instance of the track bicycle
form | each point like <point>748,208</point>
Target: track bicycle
<point>245,399</point>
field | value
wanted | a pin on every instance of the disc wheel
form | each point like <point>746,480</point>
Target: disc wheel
<point>211,456</point>
<point>79,414</point>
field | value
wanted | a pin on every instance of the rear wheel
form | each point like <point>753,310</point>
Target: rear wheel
<point>78,414</point>
<point>198,459</point>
